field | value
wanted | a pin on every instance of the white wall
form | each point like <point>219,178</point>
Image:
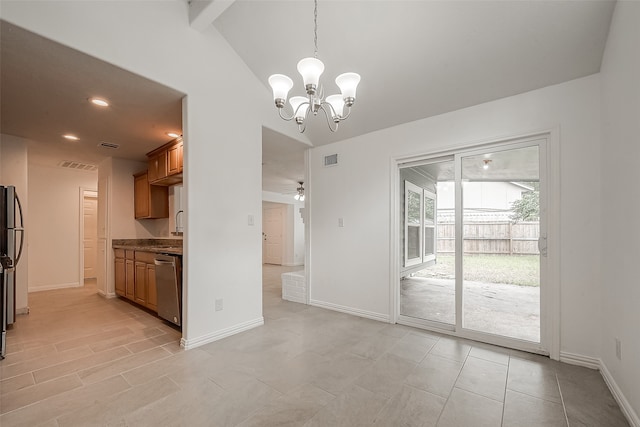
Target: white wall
<point>620,152</point>
<point>13,171</point>
<point>222,252</point>
<point>349,266</point>
<point>54,221</point>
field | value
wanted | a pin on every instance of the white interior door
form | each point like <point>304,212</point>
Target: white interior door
<point>272,226</point>
<point>90,241</point>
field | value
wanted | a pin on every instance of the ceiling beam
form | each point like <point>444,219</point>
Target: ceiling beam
<point>202,13</point>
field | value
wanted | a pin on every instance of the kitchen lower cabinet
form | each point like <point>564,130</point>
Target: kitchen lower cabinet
<point>140,293</point>
<point>120,273</point>
<point>129,266</point>
<point>152,293</point>
<point>135,277</point>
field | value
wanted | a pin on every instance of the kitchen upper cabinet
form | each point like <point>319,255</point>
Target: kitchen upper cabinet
<point>150,201</point>
<point>158,167</point>
<point>166,163</point>
<point>174,159</point>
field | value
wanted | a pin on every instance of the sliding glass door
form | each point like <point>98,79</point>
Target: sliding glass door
<point>427,288</point>
<point>474,241</point>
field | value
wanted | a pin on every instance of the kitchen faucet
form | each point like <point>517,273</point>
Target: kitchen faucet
<point>178,229</point>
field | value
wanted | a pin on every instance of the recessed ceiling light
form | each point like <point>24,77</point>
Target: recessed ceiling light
<point>100,102</point>
<point>71,137</point>
<point>173,134</point>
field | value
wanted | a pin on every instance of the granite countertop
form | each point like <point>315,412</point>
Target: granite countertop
<point>158,246</point>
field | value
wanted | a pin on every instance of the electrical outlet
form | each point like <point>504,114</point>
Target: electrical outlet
<point>219,304</point>
<point>340,222</point>
<point>618,349</point>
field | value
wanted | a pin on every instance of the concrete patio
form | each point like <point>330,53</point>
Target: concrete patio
<point>509,310</point>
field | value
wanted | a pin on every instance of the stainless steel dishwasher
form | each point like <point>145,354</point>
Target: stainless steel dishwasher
<point>169,287</point>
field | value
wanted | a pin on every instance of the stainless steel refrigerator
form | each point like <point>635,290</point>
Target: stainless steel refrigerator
<point>11,231</point>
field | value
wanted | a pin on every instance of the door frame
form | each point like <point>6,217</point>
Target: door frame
<point>84,192</point>
<point>550,294</point>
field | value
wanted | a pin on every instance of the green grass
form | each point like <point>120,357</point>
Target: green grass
<point>523,270</point>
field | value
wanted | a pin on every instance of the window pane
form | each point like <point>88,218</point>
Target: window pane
<point>413,208</point>
<point>429,210</point>
<point>413,242</point>
<point>428,241</point>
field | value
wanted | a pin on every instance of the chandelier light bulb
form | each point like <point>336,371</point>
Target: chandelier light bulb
<point>281,86</point>
<point>310,69</point>
<point>337,103</point>
<point>300,112</point>
<point>348,82</point>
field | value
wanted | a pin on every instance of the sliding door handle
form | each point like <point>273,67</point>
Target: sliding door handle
<point>542,245</point>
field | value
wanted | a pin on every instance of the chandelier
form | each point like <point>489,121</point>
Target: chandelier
<point>333,106</point>
<point>300,194</point>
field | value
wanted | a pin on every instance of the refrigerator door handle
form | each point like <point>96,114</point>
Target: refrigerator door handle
<point>21,231</point>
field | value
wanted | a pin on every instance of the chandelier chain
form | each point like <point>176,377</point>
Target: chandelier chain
<point>315,27</point>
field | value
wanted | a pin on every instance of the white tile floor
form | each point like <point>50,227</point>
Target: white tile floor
<point>80,360</point>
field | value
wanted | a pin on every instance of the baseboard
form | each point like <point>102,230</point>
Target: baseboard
<point>624,404</point>
<point>292,264</point>
<point>218,335</point>
<point>106,295</point>
<point>580,360</point>
<point>294,299</point>
<point>23,310</point>
<point>350,310</point>
<point>53,287</point>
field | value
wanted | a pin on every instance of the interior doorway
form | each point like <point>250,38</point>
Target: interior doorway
<point>272,232</point>
<point>89,235</point>
<point>473,243</point>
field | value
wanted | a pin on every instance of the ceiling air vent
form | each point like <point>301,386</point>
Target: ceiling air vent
<point>331,160</point>
<point>77,165</point>
<point>110,145</point>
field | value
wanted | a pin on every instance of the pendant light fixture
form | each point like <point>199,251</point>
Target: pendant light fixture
<point>300,194</point>
<point>333,106</point>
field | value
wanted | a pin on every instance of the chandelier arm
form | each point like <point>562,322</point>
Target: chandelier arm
<point>331,110</point>
<point>294,113</point>
<point>326,115</point>
<point>283,117</point>
<point>348,114</point>
<point>303,126</point>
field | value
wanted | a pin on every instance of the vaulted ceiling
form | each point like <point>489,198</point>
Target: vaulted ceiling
<point>419,58</point>
<point>416,58</point>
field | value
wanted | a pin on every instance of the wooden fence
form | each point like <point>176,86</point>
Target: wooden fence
<point>491,238</point>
